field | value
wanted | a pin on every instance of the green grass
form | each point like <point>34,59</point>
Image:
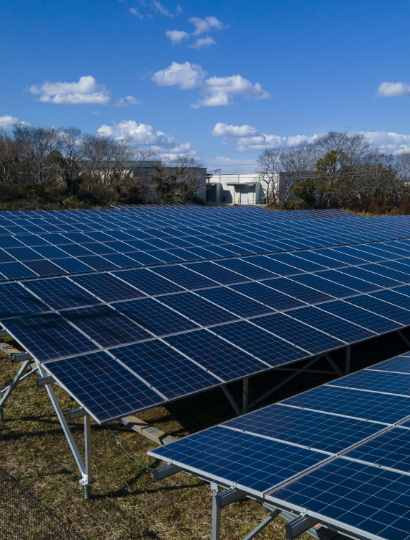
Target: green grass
<point>126,503</point>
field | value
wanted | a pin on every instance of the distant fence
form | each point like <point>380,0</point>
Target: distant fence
<point>23,517</point>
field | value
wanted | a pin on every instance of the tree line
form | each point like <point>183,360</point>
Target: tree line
<point>337,170</point>
<point>51,167</point>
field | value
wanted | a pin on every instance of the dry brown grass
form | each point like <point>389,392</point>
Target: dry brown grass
<point>126,503</point>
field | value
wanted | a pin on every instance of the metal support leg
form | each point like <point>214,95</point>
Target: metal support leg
<point>231,400</point>
<point>347,360</point>
<point>216,514</point>
<point>403,337</point>
<point>10,388</point>
<point>245,395</point>
<point>87,480</point>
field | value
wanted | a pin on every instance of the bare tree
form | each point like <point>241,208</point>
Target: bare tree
<point>72,150</point>
<point>269,168</point>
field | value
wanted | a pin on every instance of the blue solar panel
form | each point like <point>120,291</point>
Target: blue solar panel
<point>400,364</point>
<point>184,277</point>
<point>10,242</point>
<point>384,408</point>
<point>122,261</point>
<point>23,254</point>
<point>359,285</point>
<point>384,309</point>
<point>317,282</point>
<point>391,449</point>
<point>217,273</point>
<point>371,277</point>
<point>155,317</point>
<point>45,268</point>
<point>108,287</point>
<point>305,294</point>
<point>148,282</point>
<point>48,336</point>
<point>376,381</point>
<point>146,258</point>
<point>316,257</point>
<point>298,333</point>
<point>216,355</point>
<point>268,296</point>
<point>61,293</point>
<point>236,303</point>
<point>59,239</point>
<point>260,343</point>
<point>97,263</point>
<point>5,257</point>
<point>71,265</point>
<point>103,386</point>
<point>50,252</point>
<point>320,431</point>
<point>168,371</point>
<point>274,266</point>
<point>245,269</point>
<point>359,316</point>
<point>197,309</point>
<point>16,270</point>
<point>105,325</point>
<point>344,330</point>
<point>366,497</point>
<point>16,301</point>
<point>97,248</point>
<point>301,264</point>
<point>240,459</point>
<point>388,272</point>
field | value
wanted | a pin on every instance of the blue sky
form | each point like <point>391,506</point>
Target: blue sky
<point>219,80</point>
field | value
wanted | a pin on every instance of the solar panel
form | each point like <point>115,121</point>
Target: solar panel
<point>103,386</point>
<point>105,325</point>
<point>23,254</point>
<point>360,316</point>
<point>298,333</point>
<point>226,456</point>
<point>301,264</point>
<point>16,270</point>
<point>260,343</point>
<point>198,309</point>
<point>217,273</point>
<point>48,336</point>
<point>328,287</point>
<point>148,282</point>
<point>268,296</point>
<point>45,268</point>
<point>400,364</point>
<point>363,496</point>
<point>361,273</point>
<point>216,355</point>
<point>245,269</point>
<point>97,263</point>
<point>16,301</point>
<point>375,381</point>
<point>316,430</point>
<point>184,277</point>
<point>301,292</point>
<point>274,266</point>
<point>382,308</point>
<point>107,287</point>
<point>168,371</point>
<point>72,265</point>
<point>155,317</point>
<point>235,302</point>
<point>61,293</point>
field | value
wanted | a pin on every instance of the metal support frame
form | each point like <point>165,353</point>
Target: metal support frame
<point>347,360</point>
<point>262,525</point>
<point>84,468</point>
<point>245,395</point>
<point>299,525</point>
<point>231,400</point>
<point>7,391</point>
<point>216,513</point>
<point>165,471</point>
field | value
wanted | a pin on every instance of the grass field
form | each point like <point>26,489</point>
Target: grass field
<point>126,503</point>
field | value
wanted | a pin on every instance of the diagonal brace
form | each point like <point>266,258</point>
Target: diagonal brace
<point>14,383</point>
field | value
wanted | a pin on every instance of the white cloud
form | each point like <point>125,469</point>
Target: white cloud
<point>225,130</point>
<point>159,8</point>
<point>135,12</point>
<point>143,134</point>
<point>133,100</point>
<point>9,121</point>
<point>389,141</point>
<point>390,89</point>
<point>205,25</point>
<point>218,90</point>
<point>85,91</point>
<point>261,141</point>
<point>186,76</point>
<point>203,42</point>
<point>176,36</point>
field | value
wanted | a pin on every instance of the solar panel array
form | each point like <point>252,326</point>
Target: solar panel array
<point>203,324</point>
<point>50,243</point>
<point>339,453</point>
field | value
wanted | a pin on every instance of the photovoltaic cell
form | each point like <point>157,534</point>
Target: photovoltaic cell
<point>274,266</point>
<point>366,497</point>
<point>184,277</point>
<point>320,431</point>
<point>23,254</point>
<point>16,270</point>
<point>371,277</point>
<point>61,293</point>
<point>384,408</point>
<point>105,326</point>
<point>225,454</point>
<point>400,364</point>
<point>48,336</point>
<point>216,355</point>
<point>376,381</point>
<point>217,273</point>
<point>103,386</point>
<point>245,269</point>
<point>198,309</point>
<point>316,282</point>
<point>72,266</point>
<point>268,296</point>
<point>168,371</point>
<point>259,343</point>
<point>16,301</point>
<point>45,268</point>
<point>298,333</point>
<point>107,287</point>
<point>97,263</point>
<point>155,317</point>
<point>148,282</point>
<point>235,302</point>
<point>301,292</point>
<point>384,309</point>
